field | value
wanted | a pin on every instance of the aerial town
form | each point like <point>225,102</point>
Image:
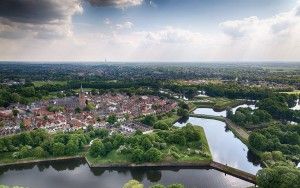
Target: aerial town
<point>79,112</point>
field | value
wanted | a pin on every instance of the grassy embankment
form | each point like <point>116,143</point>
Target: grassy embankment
<point>218,104</point>
<point>184,156</point>
<point>7,159</point>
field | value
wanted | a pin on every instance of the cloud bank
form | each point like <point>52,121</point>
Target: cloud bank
<point>44,32</point>
<point>41,19</point>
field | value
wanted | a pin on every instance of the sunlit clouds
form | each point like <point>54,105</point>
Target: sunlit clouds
<point>48,33</point>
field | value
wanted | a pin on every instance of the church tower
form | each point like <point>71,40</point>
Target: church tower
<point>81,98</point>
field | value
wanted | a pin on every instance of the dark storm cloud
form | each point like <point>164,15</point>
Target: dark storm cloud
<point>115,3</point>
<point>37,18</point>
<point>31,11</point>
<point>101,2</point>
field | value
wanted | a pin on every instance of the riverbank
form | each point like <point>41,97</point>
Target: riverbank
<point>35,161</point>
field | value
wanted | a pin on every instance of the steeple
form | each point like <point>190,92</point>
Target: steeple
<point>81,97</point>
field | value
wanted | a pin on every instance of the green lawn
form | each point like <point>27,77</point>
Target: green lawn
<point>41,83</point>
<point>169,120</point>
<point>84,89</point>
<point>297,92</point>
<point>112,158</point>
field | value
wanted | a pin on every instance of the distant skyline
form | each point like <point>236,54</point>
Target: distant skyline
<point>150,30</point>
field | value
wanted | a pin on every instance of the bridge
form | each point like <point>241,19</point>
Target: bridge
<point>234,172</point>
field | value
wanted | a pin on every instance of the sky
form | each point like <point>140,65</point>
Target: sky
<point>150,30</point>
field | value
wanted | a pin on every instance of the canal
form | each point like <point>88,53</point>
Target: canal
<point>77,174</point>
<point>226,148</point>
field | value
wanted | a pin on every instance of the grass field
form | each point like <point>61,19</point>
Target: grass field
<point>41,83</point>
<point>297,92</point>
<point>169,120</point>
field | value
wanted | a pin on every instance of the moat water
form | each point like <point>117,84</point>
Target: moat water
<point>212,112</point>
<point>224,146</point>
<point>77,174</point>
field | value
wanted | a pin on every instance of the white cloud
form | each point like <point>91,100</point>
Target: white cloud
<point>107,21</point>
<point>125,25</point>
<point>272,38</point>
<point>173,35</point>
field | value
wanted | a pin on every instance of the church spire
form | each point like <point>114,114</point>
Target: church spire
<point>81,97</point>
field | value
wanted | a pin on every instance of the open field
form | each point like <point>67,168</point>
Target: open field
<point>297,92</point>
<point>41,83</point>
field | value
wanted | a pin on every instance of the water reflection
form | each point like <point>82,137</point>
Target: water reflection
<point>297,106</point>
<point>212,112</point>
<point>77,174</point>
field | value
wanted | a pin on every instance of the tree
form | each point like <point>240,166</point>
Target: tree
<point>90,106</point>
<point>15,112</point>
<point>25,151</point>
<point>108,147</point>
<point>177,138</point>
<point>71,148</point>
<point>133,184</point>
<point>277,156</point>
<point>146,143</point>
<point>161,125</point>
<point>278,177</point>
<point>101,133</point>
<point>183,105</point>
<point>229,113</point>
<point>183,113</point>
<point>257,140</point>
<point>28,91</point>
<point>15,97</point>
<point>22,126</point>
<point>137,155</point>
<point>24,139</point>
<point>239,118</point>
<point>157,186</point>
<point>97,149</point>
<point>58,149</point>
<point>152,155</point>
<point>77,110</point>
<point>263,115</point>
<point>39,152</point>
<point>112,119</point>
<point>149,120</point>
<point>176,186</point>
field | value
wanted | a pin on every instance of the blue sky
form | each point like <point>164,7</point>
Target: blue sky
<point>150,30</point>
